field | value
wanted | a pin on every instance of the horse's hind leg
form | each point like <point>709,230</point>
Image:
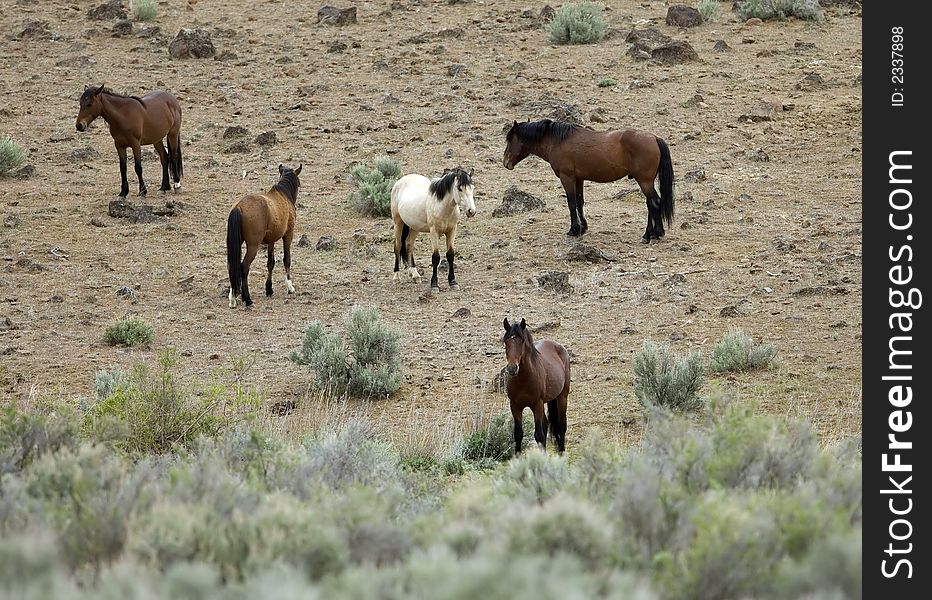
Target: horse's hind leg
<point>163,157</point>
<point>174,156</point>
<point>286,242</point>
<point>451,250</point>
<point>434,258</point>
<point>554,414</point>
<point>519,428</point>
<point>251,251</point>
<point>399,226</point>
<point>137,161</point>
<point>270,263</point>
<point>583,224</point>
<point>654,222</point>
<point>569,185</point>
<point>540,425</point>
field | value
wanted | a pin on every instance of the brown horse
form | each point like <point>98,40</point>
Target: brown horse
<point>579,154</point>
<point>538,373</point>
<point>262,219</point>
<point>135,122</point>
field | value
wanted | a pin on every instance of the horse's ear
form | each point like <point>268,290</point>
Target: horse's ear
<point>515,124</point>
<point>523,324</point>
<point>101,88</point>
<point>298,170</point>
<point>506,324</point>
<point>471,171</point>
<point>281,168</point>
<point>86,87</point>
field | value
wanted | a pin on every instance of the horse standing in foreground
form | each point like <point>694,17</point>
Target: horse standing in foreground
<point>262,219</point>
<point>538,374</point>
<point>419,205</point>
<point>135,122</point>
<point>578,154</point>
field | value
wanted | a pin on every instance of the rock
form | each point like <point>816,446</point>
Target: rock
<point>107,11</point>
<point>516,202</point>
<point>126,292</point>
<point>149,31</point>
<point>721,46</point>
<point>24,172</point>
<point>680,15</point>
<point>304,241</point>
<point>11,221</point>
<point>674,53</point>
<point>729,312</point>
<point>694,176</point>
<point>587,253</point>
<point>267,138</point>
<point>326,243</point>
<point>283,408</point>
<point>650,37</point>
<point>331,15</point>
<point>547,13</point>
<point>28,265</point>
<point>191,43</point>
<point>545,326</point>
<point>557,281</point>
<point>122,27</point>
<point>764,111</point>
<point>74,62</point>
<point>462,313</point>
<point>141,213</point>
<point>98,222</point>
<point>598,116</point>
<point>753,21</point>
<point>337,47</point>
<point>234,131</point>
<point>456,70</point>
<point>34,30</point>
<point>239,146</point>
<point>811,82</point>
<point>758,155</point>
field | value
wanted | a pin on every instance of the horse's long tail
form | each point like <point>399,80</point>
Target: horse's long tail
<point>174,160</point>
<point>665,172</point>
<point>234,250</point>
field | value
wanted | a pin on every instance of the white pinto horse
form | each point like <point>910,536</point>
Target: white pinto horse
<point>420,205</point>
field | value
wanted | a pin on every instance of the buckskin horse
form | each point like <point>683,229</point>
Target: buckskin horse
<point>578,154</point>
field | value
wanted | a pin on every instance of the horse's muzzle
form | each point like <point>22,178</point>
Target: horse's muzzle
<point>470,213</point>
<point>508,164</point>
<point>80,126</point>
<point>512,369</point>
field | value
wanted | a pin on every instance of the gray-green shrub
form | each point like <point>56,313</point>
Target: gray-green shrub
<point>737,352</point>
<point>780,9</point>
<point>709,9</point>
<point>108,381</point>
<point>496,441</point>
<point>145,10</point>
<point>580,23</point>
<point>12,155</point>
<point>373,194</point>
<point>607,82</point>
<point>326,354</point>
<point>664,381</point>
<point>129,332</point>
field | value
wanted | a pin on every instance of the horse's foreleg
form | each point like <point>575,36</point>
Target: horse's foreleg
<point>270,263</point>
<point>540,425</point>
<point>569,185</point>
<point>251,251</point>
<point>124,183</point>
<point>286,242</point>
<point>583,225</point>
<point>137,161</point>
<point>163,157</point>
<point>519,428</point>
<point>434,258</point>
<point>451,251</point>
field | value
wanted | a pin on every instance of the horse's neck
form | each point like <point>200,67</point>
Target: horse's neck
<point>110,104</point>
<point>445,206</point>
<point>530,363</point>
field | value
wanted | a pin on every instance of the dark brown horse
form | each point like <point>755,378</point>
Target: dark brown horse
<point>136,122</point>
<point>262,219</point>
<point>579,154</point>
<point>538,374</point>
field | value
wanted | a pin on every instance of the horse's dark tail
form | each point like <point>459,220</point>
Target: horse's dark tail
<point>235,249</point>
<point>178,165</point>
<point>665,172</point>
<point>405,232</point>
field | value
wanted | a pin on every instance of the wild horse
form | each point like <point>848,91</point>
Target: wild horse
<point>578,154</point>
<point>135,122</point>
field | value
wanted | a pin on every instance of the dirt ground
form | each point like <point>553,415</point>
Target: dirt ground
<point>768,240</point>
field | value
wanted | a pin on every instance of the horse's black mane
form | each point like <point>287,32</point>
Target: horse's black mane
<point>535,131</point>
<point>442,186</point>
<point>523,333</point>
<point>92,91</point>
<point>288,185</point>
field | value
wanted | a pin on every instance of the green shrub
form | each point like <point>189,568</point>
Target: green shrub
<point>580,23</point>
<point>145,10</point>
<point>780,9</point>
<point>496,441</point>
<point>129,332</point>
<point>662,381</point>
<point>737,352</point>
<point>608,82</point>
<point>12,155</point>
<point>375,370</point>
<point>709,9</point>
<point>537,476</point>
<point>373,195</point>
<point>107,382</point>
<point>25,437</point>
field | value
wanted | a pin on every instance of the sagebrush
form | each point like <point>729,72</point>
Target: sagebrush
<point>709,9</point>
<point>496,441</point>
<point>12,155</point>
<point>737,352</point>
<point>373,195</point>
<point>375,367</point>
<point>145,10</point>
<point>780,9</point>
<point>665,381</point>
<point>129,332</point>
<point>581,23</point>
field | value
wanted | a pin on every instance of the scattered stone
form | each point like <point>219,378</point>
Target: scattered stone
<point>557,281</point>
<point>764,111</point>
<point>337,47</point>
<point>24,172</point>
<point>650,37</point>
<point>122,27</point>
<point>729,312</point>
<point>694,176</point>
<point>680,15</point>
<point>516,202</point>
<point>11,221</point>
<point>237,147</point>
<point>149,31</point>
<point>267,138</point>
<point>304,241</point>
<point>235,131</point>
<point>587,253</point>
<point>28,265</point>
<point>283,408</point>
<point>547,13</point>
<point>456,70</point>
<point>598,116</point>
<point>758,155</point>
<point>141,213</point>
<point>7,324</point>
<point>35,30</point>
<point>674,53</point>
<point>98,222</point>
<point>721,46</point>
<point>331,15</point>
<point>126,292</point>
<point>811,82</point>
<point>191,43</point>
<point>462,313</point>
<point>107,11</point>
<point>74,62</point>
<point>326,243</point>
<point>545,326</point>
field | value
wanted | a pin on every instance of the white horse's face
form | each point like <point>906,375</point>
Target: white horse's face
<point>464,200</point>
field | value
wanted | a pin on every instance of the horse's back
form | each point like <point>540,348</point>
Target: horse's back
<point>559,360</point>
<point>409,195</point>
<point>266,217</point>
<point>162,113</point>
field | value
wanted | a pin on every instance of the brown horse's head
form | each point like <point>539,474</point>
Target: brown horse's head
<point>90,107</point>
<point>288,182</point>
<point>515,148</point>
<point>518,343</point>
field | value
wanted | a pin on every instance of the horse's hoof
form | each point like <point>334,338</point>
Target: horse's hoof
<point>435,289</point>
<point>573,232</point>
<point>645,240</point>
<point>454,287</point>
